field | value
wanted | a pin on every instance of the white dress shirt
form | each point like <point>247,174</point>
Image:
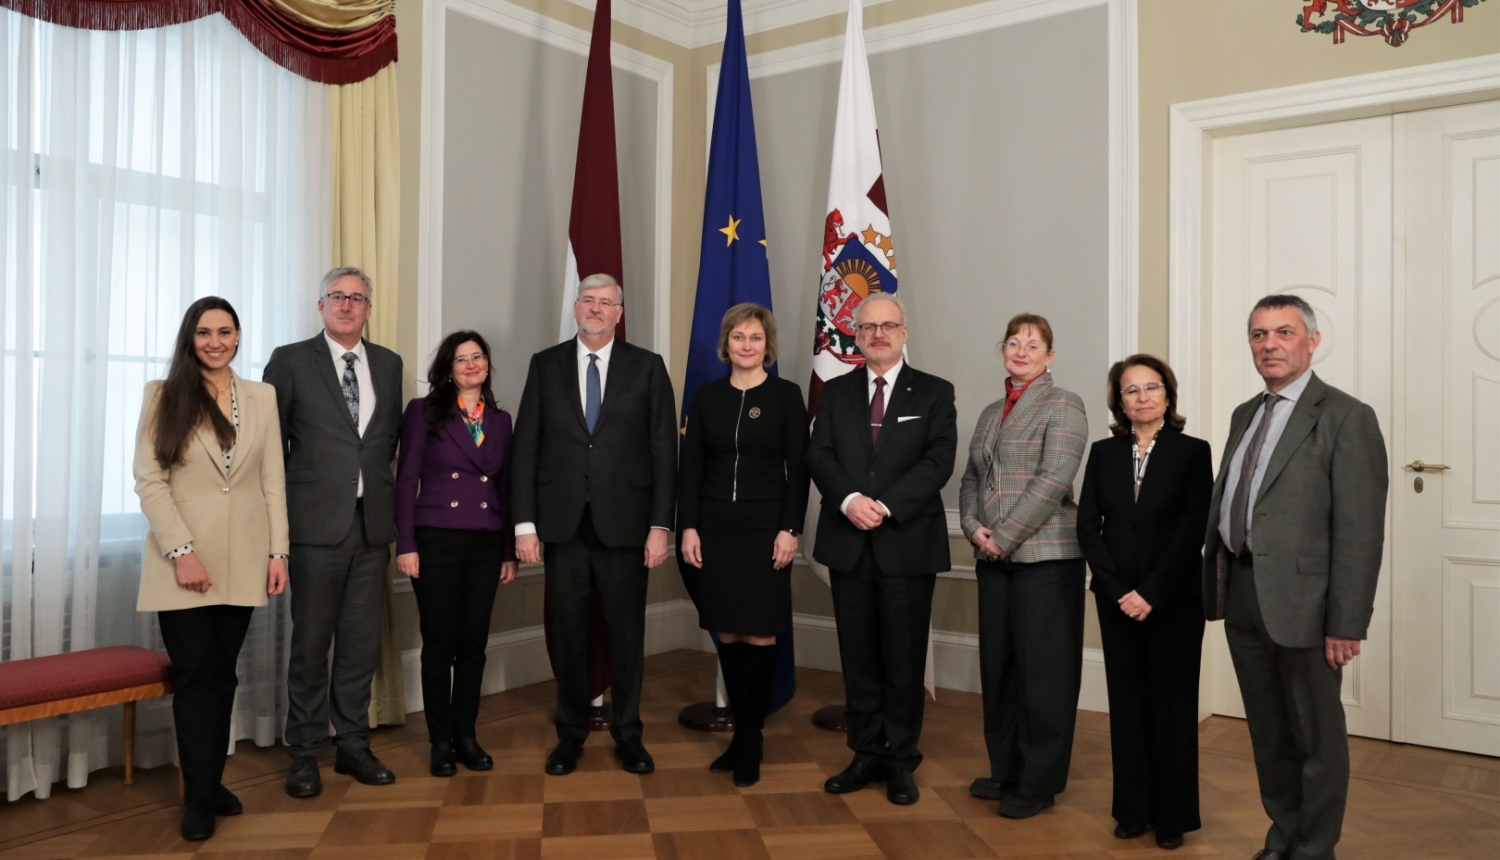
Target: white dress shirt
<point>366,388</point>
<point>890,385</point>
<point>603,352</point>
<point>1279,417</point>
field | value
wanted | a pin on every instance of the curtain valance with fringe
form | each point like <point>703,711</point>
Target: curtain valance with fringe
<point>328,41</point>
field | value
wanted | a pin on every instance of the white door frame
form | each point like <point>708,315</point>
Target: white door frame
<point>1193,125</point>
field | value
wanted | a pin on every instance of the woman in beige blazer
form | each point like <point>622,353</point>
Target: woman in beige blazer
<point>208,469</point>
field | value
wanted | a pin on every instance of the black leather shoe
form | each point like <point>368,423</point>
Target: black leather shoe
<point>985,788</point>
<point>197,824</point>
<point>1129,831</point>
<point>900,788</point>
<point>633,754</point>
<point>472,754</point>
<point>444,763</point>
<point>1268,854</point>
<point>364,767</point>
<point>304,780</point>
<point>1021,806</point>
<point>859,773</point>
<point>225,803</point>
<point>564,757</point>
<point>1168,841</point>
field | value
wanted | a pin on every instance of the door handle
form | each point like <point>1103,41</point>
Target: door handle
<point>1419,466</point>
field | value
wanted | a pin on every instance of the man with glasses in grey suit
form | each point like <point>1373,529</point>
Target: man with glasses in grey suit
<point>1296,528</point>
<point>340,402</point>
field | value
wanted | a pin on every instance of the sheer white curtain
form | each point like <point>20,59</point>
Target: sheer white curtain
<point>141,170</point>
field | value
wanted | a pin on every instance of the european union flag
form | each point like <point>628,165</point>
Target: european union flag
<point>732,265</point>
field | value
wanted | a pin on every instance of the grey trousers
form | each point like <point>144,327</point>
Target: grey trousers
<point>337,595</point>
<point>1297,728</point>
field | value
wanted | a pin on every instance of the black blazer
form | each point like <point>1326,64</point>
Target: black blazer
<point>325,452</point>
<point>626,471</point>
<point>1153,546</point>
<point>906,471</point>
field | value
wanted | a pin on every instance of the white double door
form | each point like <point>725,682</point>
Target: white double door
<point>1390,228</point>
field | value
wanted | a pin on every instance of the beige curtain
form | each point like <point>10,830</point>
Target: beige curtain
<point>340,15</point>
<point>366,233</point>
<point>367,189</point>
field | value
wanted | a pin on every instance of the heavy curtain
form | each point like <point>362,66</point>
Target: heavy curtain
<point>141,170</point>
<point>328,41</point>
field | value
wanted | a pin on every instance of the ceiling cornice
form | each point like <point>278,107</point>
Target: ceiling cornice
<point>695,23</point>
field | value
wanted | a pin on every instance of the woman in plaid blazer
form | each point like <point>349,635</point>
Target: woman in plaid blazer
<point>1016,502</point>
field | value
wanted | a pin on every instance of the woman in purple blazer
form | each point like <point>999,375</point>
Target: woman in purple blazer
<point>454,537</point>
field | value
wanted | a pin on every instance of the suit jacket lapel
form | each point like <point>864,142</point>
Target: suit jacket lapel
<point>331,379</point>
<point>568,359</point>
<point>249,424</point>
<point>1243,413</point>
<point>895,400</point>
<point>210,444</point>
<point>859,393</point>
<point>1304,417</point>
<point>620,362</point>
<point>459,433</point>
<point>1028,399</point>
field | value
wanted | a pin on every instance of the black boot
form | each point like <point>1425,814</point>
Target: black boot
<point>731,661</point>
<point>755,699</point>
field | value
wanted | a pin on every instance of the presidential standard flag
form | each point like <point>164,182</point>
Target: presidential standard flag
<point>858,257</point>
<point>732,265</point>
<point>593,248</point>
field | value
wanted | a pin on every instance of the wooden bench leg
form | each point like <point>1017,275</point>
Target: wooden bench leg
<point>129,743</point>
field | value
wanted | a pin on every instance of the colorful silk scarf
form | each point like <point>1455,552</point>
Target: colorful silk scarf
<point>473,420</point>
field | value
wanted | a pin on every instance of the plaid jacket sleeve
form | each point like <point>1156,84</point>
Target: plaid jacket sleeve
<point>971,490</point>
<point>1062,454</point>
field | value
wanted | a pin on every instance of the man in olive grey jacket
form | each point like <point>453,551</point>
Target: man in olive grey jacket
<point>1296,529</point>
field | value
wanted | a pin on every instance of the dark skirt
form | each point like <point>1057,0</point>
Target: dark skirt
<point>739,591</point>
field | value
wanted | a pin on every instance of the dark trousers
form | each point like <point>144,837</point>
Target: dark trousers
<point>1151,668</point>
<point>1031,667</point>
<point>338,593</point>
<point>460,571</point>
<point>1297,729</point>
<point>883,623</point>
<point>576,569</point>
<point>204,644</point>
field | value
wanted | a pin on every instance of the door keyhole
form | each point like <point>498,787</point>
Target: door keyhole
<point>1416,484</point>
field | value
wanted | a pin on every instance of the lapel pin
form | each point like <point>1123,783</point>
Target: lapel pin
<point>755,412</point>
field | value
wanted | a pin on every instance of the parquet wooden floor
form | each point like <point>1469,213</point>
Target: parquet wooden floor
<point>1405,802</point>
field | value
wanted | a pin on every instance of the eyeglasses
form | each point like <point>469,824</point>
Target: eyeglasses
<point>1151,388</point>
<point>477,359</point>
<point>356,299</point>
<point>884,328</point>
<point>602,304</point>
<point>1015,346</point>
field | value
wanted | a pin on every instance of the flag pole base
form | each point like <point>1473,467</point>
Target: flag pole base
<point>833,718</point>
<point>599,718</point>
<point>706,717</point>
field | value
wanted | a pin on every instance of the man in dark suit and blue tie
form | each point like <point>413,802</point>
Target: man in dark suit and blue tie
<point>883,446</point>
<point>340,402</point>
<point>593,494</point>
<point>1296,527</point>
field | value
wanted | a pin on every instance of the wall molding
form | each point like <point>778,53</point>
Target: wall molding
<point>557,34</point>
<point>695,23</point>
<point>518,658</point>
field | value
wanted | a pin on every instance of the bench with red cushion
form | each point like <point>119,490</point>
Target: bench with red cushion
<point>38,687</point>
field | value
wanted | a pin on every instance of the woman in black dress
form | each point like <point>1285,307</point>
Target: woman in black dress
<point>742,496</point>
<point>1141,519</point>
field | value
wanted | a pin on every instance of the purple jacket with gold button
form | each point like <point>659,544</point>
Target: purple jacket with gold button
<point>445,481</point>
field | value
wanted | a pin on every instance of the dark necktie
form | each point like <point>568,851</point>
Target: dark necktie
<point>1239,508</point>
<point>595,393</point>
<point>351,387</point>
<point>877,409</point>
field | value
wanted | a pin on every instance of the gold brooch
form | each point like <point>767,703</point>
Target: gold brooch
<point>755,412</point>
